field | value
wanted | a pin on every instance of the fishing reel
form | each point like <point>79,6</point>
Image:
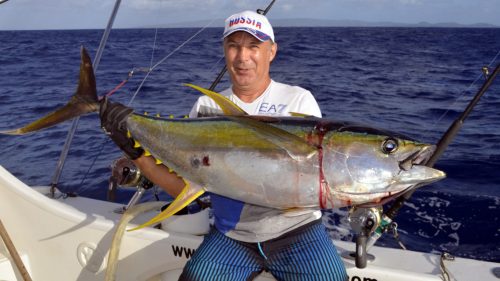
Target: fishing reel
<point>364,222</point>
<point>125,174</point>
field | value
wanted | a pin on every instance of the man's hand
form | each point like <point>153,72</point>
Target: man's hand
<point>113,122</point>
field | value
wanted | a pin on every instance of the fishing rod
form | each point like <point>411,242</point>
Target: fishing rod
<point>224,69</point>
<point>440,148</point>
<point>3,1</point>
<point>71,132</point>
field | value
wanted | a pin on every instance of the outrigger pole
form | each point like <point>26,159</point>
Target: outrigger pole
<point>224,69</point>
<point>440,148</point>
<point>71,132</point>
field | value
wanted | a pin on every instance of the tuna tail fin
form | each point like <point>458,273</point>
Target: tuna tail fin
<point>190,192</point>
<point>83,101</point>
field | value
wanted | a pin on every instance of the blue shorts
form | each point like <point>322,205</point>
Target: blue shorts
<point>305,253</point>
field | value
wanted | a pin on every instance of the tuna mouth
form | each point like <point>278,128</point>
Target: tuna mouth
<point>414,170</point>
<point>419,157</point>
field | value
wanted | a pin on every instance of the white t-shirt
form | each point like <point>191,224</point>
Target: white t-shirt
<point>247,222</point>
<point>278,99</point>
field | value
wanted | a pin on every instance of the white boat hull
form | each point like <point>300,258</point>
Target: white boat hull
<point>69,239</point>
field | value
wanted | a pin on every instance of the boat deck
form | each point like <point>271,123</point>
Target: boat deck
<point>69,239</point>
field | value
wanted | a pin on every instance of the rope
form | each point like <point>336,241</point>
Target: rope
<point>114,250</point>
<point>121,84</point>
<point>445,275</point>
<point>461,95</point>
<point>14,254</point>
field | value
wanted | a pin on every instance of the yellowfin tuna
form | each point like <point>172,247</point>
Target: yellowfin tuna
<point>278,162</point>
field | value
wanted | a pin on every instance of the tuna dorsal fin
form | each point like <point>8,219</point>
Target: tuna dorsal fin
<point>228,107</point>
<point>190,192</point>
<point>296,114</point>
<point>294,145</point>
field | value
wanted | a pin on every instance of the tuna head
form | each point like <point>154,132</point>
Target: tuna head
<point>370,169</point>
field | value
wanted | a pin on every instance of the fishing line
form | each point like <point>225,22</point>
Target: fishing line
<point>215,65</point>
<point>165,58</point>
<point>461,95</point>
<point>154,47</point>
<point>182,45</point>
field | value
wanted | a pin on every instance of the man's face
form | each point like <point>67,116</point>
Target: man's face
<point>248,60</point>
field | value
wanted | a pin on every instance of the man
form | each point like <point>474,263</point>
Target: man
<point>248,239</point>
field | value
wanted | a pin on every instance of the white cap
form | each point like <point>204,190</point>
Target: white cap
<point>251,22</point>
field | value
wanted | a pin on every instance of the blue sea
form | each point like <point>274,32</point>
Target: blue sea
<point>415,81</point>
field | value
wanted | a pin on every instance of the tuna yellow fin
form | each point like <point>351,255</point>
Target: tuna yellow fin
<point>190,192</point>
<point>227,106</point>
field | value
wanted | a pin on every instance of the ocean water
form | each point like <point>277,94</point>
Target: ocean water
<point>415,81</point>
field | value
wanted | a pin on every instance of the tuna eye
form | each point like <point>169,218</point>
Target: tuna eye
<point>389,145</point>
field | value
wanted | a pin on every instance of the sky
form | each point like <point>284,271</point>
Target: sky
<point>90,14</point>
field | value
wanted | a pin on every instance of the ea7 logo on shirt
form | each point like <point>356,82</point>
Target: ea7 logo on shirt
<point>269,108</point>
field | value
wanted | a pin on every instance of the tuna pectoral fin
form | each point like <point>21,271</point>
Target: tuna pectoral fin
<point>295,146</point>
<point>83,101</point>
<point>187,195</point>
